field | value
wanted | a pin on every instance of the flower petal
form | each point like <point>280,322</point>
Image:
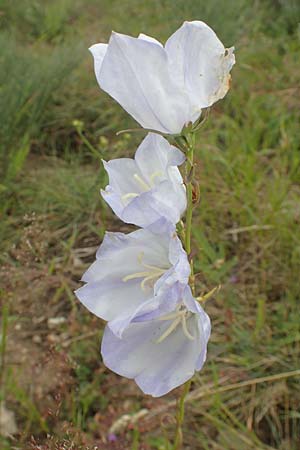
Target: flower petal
<point>156,367</point>
<point>98,51</point>
<point>199,61</point>
<point>110,300</point>
<point>203,322</point>
<point>163,201</point>
<point>154,155</point>
<point>121,173</point>
<point>151,97</point>
<point>122,182</point>
<point>180,268</point>
<point>145,37</point>
<point>118,255</point>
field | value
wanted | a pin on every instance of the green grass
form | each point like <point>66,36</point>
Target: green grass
<point>246,228</point>
<point>29,81</point>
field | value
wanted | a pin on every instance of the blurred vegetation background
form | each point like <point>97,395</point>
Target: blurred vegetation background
<point>55,126</point>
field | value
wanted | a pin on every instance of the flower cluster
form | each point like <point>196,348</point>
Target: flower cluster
<point>156,331</point>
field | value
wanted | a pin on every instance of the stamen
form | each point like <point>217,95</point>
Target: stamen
<point>171,316</point>
<point>169,330</point>
<point>132,276</point>
<point>153,273</point>
<point>185,329</point>
<point>158,173</point>
<point>140,258</point>
<point>143,184</point>
<point>149,266</point>
<point>129,195</point>
<point>179,317</point>
<point>147,279</point>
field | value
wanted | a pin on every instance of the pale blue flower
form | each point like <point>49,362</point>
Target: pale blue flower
<point>165,87</point>
<point>144,189</point>
<point>134,275</point>
<point>163,352</point>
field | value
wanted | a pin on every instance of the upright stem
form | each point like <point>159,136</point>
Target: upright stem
<point>189,193</point>
<point>2,352</point>
<point>188,232</point>
<point>180,415</point>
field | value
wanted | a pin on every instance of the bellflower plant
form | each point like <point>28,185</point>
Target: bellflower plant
<point>149,187</point>
<point>143,283</point>
<point>164,88</point>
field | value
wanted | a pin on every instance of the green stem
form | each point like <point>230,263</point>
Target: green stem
<point>180,415</point>
<point>189,193</point>
<point>2,351</point>
<point>89,145</point>
<point>188,232</point>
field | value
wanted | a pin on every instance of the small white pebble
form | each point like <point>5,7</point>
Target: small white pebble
<point>52,338</point>
<point>8,426</point>
<point>37,339</point>
<point>56,321</point>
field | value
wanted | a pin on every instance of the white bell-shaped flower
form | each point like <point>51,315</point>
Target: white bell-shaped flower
<point>134,275</point>
<point>162,352</point>
<point>164,88</point>
<point>149,187</point>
